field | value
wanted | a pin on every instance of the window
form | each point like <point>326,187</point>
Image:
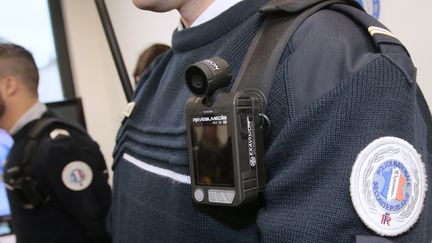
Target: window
<point>38,26</point>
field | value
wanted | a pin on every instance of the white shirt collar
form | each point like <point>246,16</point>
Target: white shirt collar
<point>35,112</point>
<point>214,10</point>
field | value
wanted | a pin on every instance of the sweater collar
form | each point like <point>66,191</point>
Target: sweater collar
<point>209,31</point>
<point>35,112</point>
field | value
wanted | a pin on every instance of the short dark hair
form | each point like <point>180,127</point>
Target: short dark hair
<point>147,57</point>
<point>16,60</point>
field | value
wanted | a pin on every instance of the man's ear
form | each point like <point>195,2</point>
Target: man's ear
<point>9,85</point>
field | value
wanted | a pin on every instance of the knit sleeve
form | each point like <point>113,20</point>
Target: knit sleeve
<point>310,156</point>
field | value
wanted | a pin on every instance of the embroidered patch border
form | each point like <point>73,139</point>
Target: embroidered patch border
<point>388,186</point>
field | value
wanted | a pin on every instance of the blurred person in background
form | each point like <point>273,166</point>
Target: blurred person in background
<point>146,58</point>
<point>57,181</point>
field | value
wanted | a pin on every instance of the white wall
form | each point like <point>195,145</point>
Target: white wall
<point>95,76</point>
<point>7,239</point>
<point>411,22</point>
<point>97,81</point>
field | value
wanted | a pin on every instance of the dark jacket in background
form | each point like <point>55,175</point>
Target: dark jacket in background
<point>69,215</point>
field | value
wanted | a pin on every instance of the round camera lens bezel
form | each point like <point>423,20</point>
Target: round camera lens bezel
<point>195,75</point>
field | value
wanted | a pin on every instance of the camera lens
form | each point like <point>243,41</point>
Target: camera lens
<point>205,77</point>
<point>197,81</point>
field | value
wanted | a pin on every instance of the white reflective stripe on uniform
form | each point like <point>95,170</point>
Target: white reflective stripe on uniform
<point>185,179</point>
<point>56,132</point>
<point>377,30</point>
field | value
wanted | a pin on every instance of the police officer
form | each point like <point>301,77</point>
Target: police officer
<point>348,155</point>
<point>57,180</point>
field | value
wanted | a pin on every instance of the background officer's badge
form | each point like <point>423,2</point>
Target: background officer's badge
<point>388,186</point>
<point>77,176</point>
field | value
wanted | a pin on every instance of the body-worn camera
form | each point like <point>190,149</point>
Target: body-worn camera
<point>225,137</point>
<point>25,188</point>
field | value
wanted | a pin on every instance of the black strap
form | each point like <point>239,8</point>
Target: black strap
<point>18,178</point>
<point>283,19</point>
<point>33,135</point>
<point>296,6</point>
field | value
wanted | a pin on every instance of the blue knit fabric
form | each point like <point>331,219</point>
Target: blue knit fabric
<point>357,96</point>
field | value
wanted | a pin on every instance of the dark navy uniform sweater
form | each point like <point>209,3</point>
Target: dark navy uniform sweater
<point>333,94</point>
<point>69,215</point>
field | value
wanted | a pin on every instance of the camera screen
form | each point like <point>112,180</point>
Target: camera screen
<point>212,151</point>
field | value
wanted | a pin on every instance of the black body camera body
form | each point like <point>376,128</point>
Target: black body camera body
<point>26,189</point>
<point>225,138</point>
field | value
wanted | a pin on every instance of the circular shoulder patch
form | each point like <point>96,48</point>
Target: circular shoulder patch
<point>77,175</point>
<point>388,186</point>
